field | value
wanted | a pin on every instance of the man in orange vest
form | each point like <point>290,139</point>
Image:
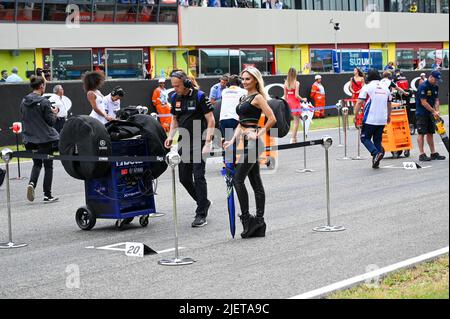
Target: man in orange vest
<point>160,100</point>
<point>318,97</point>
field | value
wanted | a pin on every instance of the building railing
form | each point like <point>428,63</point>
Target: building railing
<point>89,11</point>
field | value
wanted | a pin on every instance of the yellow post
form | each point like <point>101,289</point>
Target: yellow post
<point>305,58</point>
<point>39,58</point>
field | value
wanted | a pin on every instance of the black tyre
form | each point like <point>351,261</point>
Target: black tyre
<point>396,154</point>
<point>85,218</point>
<point>127,221</point>
<point>143,220</point>
<point>120,223</point>
<point>407,153</point>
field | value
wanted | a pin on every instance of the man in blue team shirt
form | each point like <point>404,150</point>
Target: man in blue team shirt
<point>216,90</point>
<point>427,107</point>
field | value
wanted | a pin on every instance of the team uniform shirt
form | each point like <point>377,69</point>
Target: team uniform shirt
<point>111,107</point>
<point>230,99</point>
<point>388,83</point>
<point>189,108</point>
<point>377,96</point>
<point>63,103</point>
<point>428,92</point>
<point>216,92</point>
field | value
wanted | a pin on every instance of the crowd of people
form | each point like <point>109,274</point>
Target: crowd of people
<point>266,4</point>
<point>242,101</point>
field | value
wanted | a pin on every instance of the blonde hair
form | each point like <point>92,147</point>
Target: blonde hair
<point>194,82</point>
<point>256,74</point>
<point>291,78</point>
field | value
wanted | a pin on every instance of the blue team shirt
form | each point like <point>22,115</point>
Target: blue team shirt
<point>428,92</point>
<point>216,92</point>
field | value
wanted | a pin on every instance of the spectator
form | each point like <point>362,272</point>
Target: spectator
<point>14,78</point>
<point>63,103</point>
<point>4,76</point>
<point>92,82</point>
<point>267,4</point>
<point>389,67</point>
<point>216,90</point>
<point>194,82</point>
<point>278,5</point>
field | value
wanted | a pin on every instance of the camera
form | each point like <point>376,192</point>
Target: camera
<point>43,72</point>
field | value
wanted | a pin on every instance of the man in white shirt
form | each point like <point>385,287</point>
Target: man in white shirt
<point>377,113</point>
<point>62,103</point>
<point>229,119</point>
<point>112,101</point>
<point>14,78</point>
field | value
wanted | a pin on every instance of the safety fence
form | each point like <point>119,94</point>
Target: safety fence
<point>173,159</point>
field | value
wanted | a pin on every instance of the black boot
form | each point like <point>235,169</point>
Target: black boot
<point>257,227</point>
<point>246,220</point>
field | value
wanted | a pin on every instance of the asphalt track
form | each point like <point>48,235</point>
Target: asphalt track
<point>390,215</point>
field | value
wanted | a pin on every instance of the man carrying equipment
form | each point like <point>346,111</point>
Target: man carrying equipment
<point>427,108</point>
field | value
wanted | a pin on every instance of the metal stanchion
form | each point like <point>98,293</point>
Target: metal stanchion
<point>7,156</point>
<point>358,157</point>
<point>338,107</point>
<point>173,159</point>
<point>328,141</point>
<point>17,129</point>
<point>345,124</point>
<point>304,118</point>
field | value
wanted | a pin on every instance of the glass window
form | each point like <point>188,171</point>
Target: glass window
<point>104,10</point>
<point>29,10</point>
<point>321,60</point>
<point>126,11</point>
<point>167,60</point>
<point>214,62</point>
<point>124,64</point>
<point>168,13</point>
<point>286,58</point>
<point>254,57</point>
<point>7,8</point>
<point>406,59</point>
<point>70,64</point>
<point>444,6</point>
<point>55,10</point>
<point>427,58</point>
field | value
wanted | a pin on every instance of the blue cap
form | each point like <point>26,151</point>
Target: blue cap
<point>437,75</point>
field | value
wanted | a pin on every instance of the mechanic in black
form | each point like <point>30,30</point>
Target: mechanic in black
<point>38,118</point>
<point>192,112</point>
<point>427,107</point>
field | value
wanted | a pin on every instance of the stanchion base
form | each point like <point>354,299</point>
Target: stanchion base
<point>11,245</point>
<point>305,170</point>
<point>18,178</point>
<point>176,262</point>
<point>344,158</point>
<point>328,229</point>
<point>358,158</point>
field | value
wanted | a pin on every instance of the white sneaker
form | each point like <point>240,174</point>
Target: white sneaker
<point>30,192</point>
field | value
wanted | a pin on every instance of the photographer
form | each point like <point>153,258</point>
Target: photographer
<point>38,118</point>
<point>112,101</point>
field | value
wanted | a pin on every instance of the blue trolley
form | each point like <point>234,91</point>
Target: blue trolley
<point>126,192</point>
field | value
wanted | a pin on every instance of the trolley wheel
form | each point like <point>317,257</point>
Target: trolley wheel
<point>143,220</point>
<point>407,153</point>
<point>85,218</point>
<point>271,162</point>
<point>396,154</point>
<point>120,223</point>
<point>127,221</point>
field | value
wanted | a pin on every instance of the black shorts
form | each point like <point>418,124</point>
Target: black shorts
<point>425,124</point>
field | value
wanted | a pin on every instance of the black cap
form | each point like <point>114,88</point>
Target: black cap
<point>373,75</point>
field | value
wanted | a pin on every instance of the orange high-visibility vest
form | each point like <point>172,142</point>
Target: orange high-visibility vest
<point>318,98</point>
<point>162,109</point>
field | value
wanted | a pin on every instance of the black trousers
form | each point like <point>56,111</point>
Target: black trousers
<point>192,177</point>
<point>248,166</point>
<point>60,124</point>
<point>45,148</point>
